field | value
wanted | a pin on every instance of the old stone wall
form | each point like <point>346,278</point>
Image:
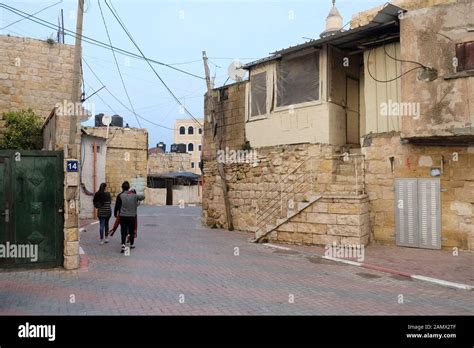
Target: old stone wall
<point>301,169</point>
<point>415,161</point>
<point>159,163</point>
<point>341,220</point>
<point>446,104</point>
<point>34,74</point>
<point>127,155</point>
<point>56,137</point>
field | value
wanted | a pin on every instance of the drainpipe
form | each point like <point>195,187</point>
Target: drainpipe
<point>94,174</point>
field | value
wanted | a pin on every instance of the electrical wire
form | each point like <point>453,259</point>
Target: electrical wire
<point>391,80</point>
<point>44,9</point>
<point>117,17</point>
<point>401,60</point>
<point>117,65</point>
<point>120,102</point>
<point>90,40</point>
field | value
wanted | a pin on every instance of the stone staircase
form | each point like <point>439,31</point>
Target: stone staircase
<point>348,175</point>
<point>296,193</point>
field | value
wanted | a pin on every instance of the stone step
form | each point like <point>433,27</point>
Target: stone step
<point>351,179</point>
<point>355,151</point>
<point>339,188</point>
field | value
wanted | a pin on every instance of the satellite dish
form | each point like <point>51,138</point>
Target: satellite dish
<point>235,71</point>
<point>106,120</point>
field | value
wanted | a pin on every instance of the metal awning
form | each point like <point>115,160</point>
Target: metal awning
<point>176,175</point>
<point>384,26</point>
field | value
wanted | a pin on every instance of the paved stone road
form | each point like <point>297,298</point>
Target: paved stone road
<point>178,259</point>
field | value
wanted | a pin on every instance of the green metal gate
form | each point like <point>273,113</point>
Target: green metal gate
<point>31,208</point>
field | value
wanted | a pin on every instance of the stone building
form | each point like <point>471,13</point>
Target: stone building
<point>354,143</point>
<point>39,75</point>
<point>168,162</point>
<point>190,133</point>
<point>34,74</point>
<point>172,179</point>
<point>126,156</point>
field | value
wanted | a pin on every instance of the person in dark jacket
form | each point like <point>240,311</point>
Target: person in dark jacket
<point>102,201</point>
<point>126,205</point>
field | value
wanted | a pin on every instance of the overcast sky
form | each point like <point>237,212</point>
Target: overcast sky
<point>176,32</point>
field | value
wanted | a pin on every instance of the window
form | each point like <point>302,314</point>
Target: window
<point>465,56</point>
<point>200,130</point>
<point>190,147</point>
<point>182,130</point>
<point>258,94</point>
<point>97,147</point>
<point>190,130</point>
<point>298,80</point>
<point>223,94</point>
<point>199,147</point>
<point>192,165</point>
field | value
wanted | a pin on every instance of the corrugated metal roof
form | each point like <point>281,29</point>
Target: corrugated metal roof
<point>385,22</point>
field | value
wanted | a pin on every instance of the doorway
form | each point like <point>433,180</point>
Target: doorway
<point>169,191</point>
<point>352,111</point>
<point>31,209</point>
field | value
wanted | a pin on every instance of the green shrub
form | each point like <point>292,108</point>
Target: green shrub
<point>22,131</point>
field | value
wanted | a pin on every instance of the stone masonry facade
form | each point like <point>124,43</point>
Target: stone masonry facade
<point>159,163</point>
<point>416,161</point>
<point>34,74</point>
<point>366,215</point>
<point>271,181</point>
<point>38,75</point>
<point>127,155</point>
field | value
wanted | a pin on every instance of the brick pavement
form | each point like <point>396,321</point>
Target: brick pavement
<point>440,264</point>
<point>177,258</point>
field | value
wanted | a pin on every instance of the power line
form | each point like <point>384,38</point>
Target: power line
<point>391,80</point>
<point>44,9</point>
<point>117,17</point>
<point>117,65</point>
<point>120,102</point>
<point>401,60</point>
<point>90,40</point>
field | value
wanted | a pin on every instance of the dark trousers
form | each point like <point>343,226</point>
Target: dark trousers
<point>127,227</point>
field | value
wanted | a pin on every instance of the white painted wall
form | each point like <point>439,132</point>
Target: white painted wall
<point>87,207</point>
<point>382,68</point>
<point>304,123</point>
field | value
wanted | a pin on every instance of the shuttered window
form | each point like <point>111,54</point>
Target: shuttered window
<point>418,213</point>
<point>465,56</point>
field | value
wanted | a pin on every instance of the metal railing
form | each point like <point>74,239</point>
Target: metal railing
<point>294,188</point>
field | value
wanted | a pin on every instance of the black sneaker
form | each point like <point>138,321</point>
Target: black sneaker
<point>123,249</point>
<point>132,246</point>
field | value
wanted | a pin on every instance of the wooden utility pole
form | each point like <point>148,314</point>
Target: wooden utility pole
<point>217,136</point>
<point>76,93</point>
